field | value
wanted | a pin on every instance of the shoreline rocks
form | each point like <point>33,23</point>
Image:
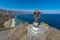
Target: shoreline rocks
<point>6,21</point>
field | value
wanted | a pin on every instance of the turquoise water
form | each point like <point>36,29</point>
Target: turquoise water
<point>51,19</point>
<point>18,21</point>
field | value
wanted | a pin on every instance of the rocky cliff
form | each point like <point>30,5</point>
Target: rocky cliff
<point>10,23</point>
<point>5,21</point>
<point>20,32</point>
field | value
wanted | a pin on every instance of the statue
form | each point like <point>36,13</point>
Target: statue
<point>37,14</point>
<point>33,31</point>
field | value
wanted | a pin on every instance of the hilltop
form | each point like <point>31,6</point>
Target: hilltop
<point>19,33</point>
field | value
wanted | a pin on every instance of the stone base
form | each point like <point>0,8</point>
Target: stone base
<point>35,34</point>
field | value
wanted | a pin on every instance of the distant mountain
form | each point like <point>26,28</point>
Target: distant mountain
<point>4,11</point>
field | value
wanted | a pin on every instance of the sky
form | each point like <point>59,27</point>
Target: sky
<point>30,5</point>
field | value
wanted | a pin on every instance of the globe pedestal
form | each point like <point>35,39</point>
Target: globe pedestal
<point>33,32</point>
<point>36,32</point>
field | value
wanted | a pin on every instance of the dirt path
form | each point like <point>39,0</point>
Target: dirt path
<point>3,35</point>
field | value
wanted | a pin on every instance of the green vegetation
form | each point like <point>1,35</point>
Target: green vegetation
<point>0,15</point>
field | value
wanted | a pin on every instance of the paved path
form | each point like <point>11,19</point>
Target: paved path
<point>3,35</point>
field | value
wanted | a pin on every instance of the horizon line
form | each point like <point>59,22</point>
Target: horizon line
<point>30,10</point>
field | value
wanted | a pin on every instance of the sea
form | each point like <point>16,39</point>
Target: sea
<point>52,20</point>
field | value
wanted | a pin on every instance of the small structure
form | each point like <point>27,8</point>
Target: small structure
<point>37,14</point>
<point>33,31</point>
